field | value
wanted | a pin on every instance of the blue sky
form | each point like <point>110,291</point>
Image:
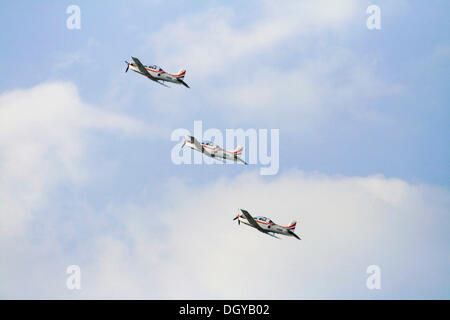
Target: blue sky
<point>410,144</point>
<point>356,108</point>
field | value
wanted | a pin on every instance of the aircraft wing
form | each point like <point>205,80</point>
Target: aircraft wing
<point>198,145</point>
<point>272,235</point>
<point>252,221</point>
<point>195,142</point>
<point>161,83</point>
<point>143,70</point>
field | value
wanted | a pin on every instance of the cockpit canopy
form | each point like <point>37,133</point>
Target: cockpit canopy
<point>208,143</point>
<point>154,67</point>
<point>263,219</point>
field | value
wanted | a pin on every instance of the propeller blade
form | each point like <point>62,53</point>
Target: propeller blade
<point>128,66</point>
<point>184,143</point>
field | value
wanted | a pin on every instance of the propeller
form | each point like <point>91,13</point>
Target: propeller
<point>191,140</point>
<point>239,221</point>
<point>128,65</point>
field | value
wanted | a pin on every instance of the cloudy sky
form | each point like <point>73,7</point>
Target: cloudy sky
<point>86,176</point>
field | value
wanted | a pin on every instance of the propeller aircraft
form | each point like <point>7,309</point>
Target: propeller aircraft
<point>265,225</point>
<point>156,74</point>
<point>213,151</point>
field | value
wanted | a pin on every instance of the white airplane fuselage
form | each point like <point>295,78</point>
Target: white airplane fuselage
<point>160,74</point>
<point>268,226</point>
<point>215,151</point>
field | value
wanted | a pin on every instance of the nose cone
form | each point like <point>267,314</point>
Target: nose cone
<point>190,138</point>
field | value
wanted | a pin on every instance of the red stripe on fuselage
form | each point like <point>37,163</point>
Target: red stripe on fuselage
<point>214,148</point>
<point>272,224</point>
<point>157,71</point>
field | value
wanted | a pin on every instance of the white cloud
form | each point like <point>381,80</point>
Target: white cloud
<point>281,67</point>
<point>81,56</point>
<point>346,224</point>
<point>316,88</point>
<point>43,138</point>
<point>211,43</point>
<point>187,246</point>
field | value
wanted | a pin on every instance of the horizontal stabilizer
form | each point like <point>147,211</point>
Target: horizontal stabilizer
<point>293,234</point>
<point>183,83</point>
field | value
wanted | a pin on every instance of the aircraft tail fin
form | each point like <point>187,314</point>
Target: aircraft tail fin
<point>292,225</point>
<point>181,74</point>
<point>238,150</point>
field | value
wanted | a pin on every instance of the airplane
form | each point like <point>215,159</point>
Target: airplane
<point>265,225</point>
<point>156,74</point>
<point>213,151</point>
